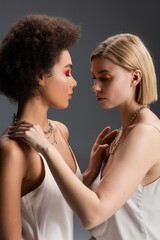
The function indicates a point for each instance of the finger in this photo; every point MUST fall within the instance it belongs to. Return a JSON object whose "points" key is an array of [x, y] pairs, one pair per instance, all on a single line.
{"points": [[107, 152], [17, 135], [100, 137], [102, 134], [20, 136], [101, 151], [12, 128], [110, 137], [21, 122], [17, 130], [102, 148], [15, 127], [18, 122]]}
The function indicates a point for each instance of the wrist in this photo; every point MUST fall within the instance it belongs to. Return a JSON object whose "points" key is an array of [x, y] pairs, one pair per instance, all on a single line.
{"points": [[92, 171], [88, 177], [45, 147]]}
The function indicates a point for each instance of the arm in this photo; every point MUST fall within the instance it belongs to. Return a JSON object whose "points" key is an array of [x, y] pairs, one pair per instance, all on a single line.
{"points": [[12, 171], [98, 152], [118, 184]]}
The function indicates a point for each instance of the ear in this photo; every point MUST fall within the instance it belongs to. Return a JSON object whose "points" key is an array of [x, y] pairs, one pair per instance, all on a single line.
{"points": [[41, 78], [136, 77]]}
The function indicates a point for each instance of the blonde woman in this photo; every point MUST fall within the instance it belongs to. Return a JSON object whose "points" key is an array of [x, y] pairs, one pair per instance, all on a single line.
{"points": [[123, 201]]}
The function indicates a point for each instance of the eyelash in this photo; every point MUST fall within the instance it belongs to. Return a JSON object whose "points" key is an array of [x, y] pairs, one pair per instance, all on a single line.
{"points": [[67, 74], [102, 79]]}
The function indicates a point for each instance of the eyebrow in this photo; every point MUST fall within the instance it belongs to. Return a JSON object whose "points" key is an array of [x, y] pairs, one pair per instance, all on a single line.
{"points": [[68, 65], [103, 71]]}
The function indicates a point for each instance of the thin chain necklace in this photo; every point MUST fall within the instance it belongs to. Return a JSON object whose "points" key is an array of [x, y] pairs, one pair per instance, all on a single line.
{"points": [[115, 144], [47, 133]]}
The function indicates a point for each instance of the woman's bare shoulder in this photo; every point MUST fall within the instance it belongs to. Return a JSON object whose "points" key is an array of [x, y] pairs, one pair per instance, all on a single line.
{"points": [[12, 153], [142, 142], [148, 128]]}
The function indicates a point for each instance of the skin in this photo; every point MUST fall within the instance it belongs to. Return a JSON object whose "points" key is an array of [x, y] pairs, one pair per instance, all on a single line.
{"points": [[21, 167], [135, 154]]}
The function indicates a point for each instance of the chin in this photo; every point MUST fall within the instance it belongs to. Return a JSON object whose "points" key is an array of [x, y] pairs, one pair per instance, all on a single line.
{"points": [[107, 106], [60, 106]]}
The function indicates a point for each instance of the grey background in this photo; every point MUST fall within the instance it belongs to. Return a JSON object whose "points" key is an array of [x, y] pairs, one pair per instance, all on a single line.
{"points": [[99, 19]]}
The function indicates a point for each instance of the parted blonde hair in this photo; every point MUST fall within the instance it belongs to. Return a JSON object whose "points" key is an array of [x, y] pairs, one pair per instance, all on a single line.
{"points": [[128, 51]]}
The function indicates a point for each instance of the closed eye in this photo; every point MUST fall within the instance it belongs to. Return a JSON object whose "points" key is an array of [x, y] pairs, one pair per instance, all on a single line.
{"points": [[68, 73], [104, 79]]}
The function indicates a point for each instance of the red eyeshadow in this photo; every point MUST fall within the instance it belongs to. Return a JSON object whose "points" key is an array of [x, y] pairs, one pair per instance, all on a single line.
{"points": [[67, 72]]}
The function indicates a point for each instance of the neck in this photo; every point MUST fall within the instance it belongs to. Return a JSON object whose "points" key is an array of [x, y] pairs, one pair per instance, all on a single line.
{"points": [[33, 111], [127, 111]]}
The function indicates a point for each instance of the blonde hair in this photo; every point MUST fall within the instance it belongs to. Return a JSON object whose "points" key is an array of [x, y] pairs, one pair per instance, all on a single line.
{"points": [[128, 51]]}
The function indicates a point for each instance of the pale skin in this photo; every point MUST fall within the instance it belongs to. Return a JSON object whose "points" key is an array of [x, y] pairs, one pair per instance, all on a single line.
{"points": [[21, 167], [136, 160]]}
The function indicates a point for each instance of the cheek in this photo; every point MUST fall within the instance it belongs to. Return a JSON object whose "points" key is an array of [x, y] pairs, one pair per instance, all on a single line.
{"points": [[57, 85], [118, 89], [110, 89]]}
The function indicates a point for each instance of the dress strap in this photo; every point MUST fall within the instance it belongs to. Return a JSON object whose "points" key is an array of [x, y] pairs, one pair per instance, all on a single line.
{"points": [[73, 156], [153, 126], [61, 131]]}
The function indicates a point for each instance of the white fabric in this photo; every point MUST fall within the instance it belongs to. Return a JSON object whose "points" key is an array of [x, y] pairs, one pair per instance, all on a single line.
{"points": [[138, 219], [45, 213]]}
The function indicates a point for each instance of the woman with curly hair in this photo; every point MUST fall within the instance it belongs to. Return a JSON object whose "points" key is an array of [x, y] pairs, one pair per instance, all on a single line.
{"points": [[35, 71], [123, 202]]}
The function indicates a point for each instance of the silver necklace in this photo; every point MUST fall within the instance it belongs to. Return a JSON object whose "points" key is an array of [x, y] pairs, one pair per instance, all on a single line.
{"points": [[50, 131], [115, 144], [47, 133]]}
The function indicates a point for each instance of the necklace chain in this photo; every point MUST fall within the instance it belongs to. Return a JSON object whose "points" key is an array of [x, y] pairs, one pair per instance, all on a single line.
{"points": [[49, 132], [115, 144]]}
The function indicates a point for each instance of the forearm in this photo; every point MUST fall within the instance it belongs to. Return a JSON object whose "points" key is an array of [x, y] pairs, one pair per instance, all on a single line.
{"points": [[81, 199]]}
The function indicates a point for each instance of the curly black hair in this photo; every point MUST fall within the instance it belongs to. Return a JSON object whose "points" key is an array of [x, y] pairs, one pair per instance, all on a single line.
{"points": [[33, 44]]}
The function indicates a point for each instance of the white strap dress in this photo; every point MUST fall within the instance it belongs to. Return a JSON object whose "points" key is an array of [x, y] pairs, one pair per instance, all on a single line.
{"points": [[44, 212], [137, 219]]}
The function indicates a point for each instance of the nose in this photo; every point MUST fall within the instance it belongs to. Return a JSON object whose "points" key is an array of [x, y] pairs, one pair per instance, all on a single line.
{"points": [[73, 83], [96, 87]]}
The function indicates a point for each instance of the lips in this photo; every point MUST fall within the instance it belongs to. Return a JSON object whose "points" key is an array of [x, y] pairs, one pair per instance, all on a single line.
{"points": [[100, 99], [70, 95]]}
